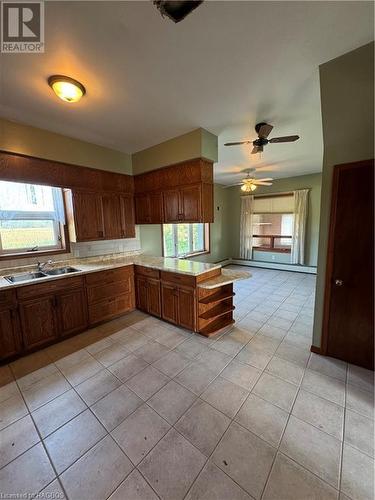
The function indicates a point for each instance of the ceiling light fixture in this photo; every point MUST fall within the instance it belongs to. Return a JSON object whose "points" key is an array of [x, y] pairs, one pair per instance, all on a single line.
{"points": [[66, 88], [176, 10], [248, 187]]}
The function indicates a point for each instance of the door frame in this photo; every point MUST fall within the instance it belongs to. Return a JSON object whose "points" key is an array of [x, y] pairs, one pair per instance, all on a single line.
{"points": [[337, 169]]}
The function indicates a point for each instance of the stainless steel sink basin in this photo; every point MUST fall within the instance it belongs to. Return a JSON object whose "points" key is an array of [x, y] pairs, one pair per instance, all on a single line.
{"points": [[25, 277], [61, 270]]}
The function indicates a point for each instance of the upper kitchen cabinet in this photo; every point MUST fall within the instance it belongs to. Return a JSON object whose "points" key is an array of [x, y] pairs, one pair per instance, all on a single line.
{"points": [[96, 216], [177, 193]]}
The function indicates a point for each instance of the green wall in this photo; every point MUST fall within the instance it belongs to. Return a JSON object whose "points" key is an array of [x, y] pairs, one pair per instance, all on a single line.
{"points": [[312, 182], [18, 138], [347, 97], [151, 238], [195, 144]]}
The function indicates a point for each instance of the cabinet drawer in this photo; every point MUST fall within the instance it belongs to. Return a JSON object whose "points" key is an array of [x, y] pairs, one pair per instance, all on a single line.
{"points": [[96, 293], [49, 287], [180, 279], [7, 298], [109, 276], [110, 307], [147, 271]]}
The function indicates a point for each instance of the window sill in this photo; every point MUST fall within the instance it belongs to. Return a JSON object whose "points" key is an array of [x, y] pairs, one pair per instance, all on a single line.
{"points": [[272, 250], [26, 255], [196, 254]]}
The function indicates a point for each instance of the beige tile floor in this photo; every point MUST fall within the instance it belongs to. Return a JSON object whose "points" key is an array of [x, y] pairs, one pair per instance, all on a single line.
{"points": [[137, 409]]}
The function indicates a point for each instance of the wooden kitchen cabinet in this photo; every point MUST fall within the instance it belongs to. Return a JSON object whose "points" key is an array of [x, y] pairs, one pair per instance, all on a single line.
{"points": [[127, 216], [10, 338], [149, 208], [148, 295], [38, 321], [183, 205], [96, 216], [71, 311], [169, 300], [186, 308], [86, 222]]}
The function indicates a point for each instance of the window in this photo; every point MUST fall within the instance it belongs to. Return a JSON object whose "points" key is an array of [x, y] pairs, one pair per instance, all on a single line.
{"points": [[273, 223], [31, 218], [181, 240]]}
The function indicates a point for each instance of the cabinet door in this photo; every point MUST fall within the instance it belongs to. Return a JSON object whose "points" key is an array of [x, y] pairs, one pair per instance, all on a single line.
{"points": [[142, 209], [156, 208], [191, 200], [141, 293], [10, 341], [88, 216], [111, 216], [153, 297], [38, 321], [71, 311], [169, 299], [171, 201], [127, 217], [186, 308]]}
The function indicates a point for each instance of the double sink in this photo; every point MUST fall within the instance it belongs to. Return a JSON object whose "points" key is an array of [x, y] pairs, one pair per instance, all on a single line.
{"points": [[19, 278]]}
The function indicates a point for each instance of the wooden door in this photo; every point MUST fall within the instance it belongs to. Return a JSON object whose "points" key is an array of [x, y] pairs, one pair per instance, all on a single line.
{"points": [[127, 217], [141, 293], [71, 311], [142, 209], [156, 208], [112, 216], [191, 200], [171, 202], [348, 331], [88, 216], [38, 321], [186, 308], [153, 297], [169, 299], [10, 340]]}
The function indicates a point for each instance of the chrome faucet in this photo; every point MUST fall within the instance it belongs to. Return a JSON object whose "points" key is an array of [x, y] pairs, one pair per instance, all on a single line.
{"points": [[42, 265]]}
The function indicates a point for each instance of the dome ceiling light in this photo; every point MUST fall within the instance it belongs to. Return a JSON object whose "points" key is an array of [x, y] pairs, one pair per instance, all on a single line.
{"points": [[66, 88]]}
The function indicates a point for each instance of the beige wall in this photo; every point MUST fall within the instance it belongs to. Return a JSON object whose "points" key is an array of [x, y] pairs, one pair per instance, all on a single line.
{"points": [[151, 236], [18, 138], [312, 182], [347, 96], [195, 144]]}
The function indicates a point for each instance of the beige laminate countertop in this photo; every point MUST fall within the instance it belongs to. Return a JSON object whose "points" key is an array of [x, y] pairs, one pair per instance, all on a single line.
{"points": [[227, 276], [94, 264]]}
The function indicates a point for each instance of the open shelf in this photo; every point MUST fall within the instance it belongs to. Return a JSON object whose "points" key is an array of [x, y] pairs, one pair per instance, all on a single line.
{"points": [[216, 325], [217, 311], [217, 297]]}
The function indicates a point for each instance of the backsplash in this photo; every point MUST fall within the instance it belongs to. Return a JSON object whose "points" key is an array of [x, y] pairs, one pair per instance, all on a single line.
{"points": [[89, 249]]}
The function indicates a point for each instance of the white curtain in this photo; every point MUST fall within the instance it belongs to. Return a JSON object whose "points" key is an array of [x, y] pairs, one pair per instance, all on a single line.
{"points": [[246, 227], [299, 228]]}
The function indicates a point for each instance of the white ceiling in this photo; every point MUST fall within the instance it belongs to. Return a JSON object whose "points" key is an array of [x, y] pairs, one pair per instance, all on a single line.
{"points": [[224, 68]]}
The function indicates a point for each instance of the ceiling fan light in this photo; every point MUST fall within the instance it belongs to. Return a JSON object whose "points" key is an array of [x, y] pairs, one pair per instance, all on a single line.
{"points": [[247, 187], [252, 187]]}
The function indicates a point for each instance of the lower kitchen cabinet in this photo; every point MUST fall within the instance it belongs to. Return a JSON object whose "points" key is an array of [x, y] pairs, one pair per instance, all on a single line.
{"points": [[10, 338], [71, 311], [38, 321], [148, 295], [178, 305]]}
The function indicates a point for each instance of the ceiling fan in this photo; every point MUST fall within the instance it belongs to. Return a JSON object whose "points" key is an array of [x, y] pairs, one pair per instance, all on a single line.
{"points": [[249, 184], [263, 130]]}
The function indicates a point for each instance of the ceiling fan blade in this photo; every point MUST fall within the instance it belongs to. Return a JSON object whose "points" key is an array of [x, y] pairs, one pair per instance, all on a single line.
{"points": [[236, 143], [260, 183], [265, 130], [287, 138], [256, 149], [265, 179], [231, 185]]}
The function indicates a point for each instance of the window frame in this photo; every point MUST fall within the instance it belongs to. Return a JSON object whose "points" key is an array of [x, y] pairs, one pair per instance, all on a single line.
{"points": [[60, 231], [206, 240]]}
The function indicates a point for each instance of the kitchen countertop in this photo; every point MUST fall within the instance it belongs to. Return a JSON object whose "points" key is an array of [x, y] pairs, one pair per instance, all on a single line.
{"points": [[227, 276], [94, 264]]}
